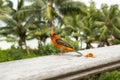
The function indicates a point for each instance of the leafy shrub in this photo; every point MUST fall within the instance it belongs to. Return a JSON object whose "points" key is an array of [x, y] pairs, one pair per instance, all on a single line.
{"points": [[3, 54], [14, 54], [74, 44], [46, 50], [114, 75]]}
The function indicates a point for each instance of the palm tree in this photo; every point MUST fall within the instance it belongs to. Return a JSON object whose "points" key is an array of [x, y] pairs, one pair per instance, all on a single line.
{"points": [[16, 26], [88, 28], [108, 23], [50, 11], [38, 31], [82, 25], [4, 8], [57, 9], [37, 27]]}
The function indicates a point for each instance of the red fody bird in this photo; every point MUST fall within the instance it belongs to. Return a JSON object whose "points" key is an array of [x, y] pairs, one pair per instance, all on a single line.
{"points": [[62, 45]]}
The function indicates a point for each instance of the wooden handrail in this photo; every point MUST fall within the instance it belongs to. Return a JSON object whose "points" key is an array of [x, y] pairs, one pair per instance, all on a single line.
{"points": [[68, 66]]}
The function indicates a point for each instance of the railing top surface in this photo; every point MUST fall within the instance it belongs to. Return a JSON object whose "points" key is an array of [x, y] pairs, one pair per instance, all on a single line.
{"points": [[54, 65]]}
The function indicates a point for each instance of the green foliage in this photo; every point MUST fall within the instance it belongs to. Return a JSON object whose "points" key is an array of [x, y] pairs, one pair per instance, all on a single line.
{"points": [[48, 49], [14, 54], [73, 7], [17, 53], [113, 75], [75, 44], [116, 41]]}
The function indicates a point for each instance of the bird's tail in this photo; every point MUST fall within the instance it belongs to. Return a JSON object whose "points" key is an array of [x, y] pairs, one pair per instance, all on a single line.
{"points": [[79, 53]]}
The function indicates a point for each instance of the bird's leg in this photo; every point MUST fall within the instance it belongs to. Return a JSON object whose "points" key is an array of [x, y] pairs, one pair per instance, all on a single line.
{"points": [[61, 52], [79, 53]]}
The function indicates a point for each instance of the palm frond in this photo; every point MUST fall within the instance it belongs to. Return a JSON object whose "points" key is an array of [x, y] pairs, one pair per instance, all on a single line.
{"points": [[4, 11], [4, 31], [60, 2], [92, 7], [25, 11], [105, 10], [99, 23], [8, 20], [11, 39], [116, 31], [22, 14], [103, 33], [20, 4], [40, 32], [113, 11], [72, 8], [5, 8]]}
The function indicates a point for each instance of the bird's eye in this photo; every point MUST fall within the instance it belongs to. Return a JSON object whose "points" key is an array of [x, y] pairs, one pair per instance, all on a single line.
{"points": [[54, 34]]}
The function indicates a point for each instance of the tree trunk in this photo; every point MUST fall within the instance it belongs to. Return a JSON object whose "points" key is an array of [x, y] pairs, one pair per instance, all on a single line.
{"points": [[39, 44], [26, 48], [81, 43], [89, 45], [101, 44], [20, 44]]}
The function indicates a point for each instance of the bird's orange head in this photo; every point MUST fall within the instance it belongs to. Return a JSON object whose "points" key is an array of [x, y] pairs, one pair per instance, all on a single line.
{"points": [[52, 34]]}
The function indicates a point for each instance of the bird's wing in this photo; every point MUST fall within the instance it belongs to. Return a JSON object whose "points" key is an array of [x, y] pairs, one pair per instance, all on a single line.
{"points": [[61, 42]]}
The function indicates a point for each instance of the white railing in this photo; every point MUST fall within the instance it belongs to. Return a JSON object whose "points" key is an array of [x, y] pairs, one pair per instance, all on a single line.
{"points": [[66, 67]]}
